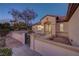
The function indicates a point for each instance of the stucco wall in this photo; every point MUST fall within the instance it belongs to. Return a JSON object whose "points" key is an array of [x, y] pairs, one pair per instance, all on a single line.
{"points": [[34, 28], [74, 28], [50, 48], [19, 36], [65, 28]]}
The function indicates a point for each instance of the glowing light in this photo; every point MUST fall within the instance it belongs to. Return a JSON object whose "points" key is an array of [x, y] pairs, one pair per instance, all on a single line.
{"points": [[40, 27], [61, 27]]}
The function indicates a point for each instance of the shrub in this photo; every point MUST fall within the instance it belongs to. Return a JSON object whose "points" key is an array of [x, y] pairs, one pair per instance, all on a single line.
{"points": [[5, 52], [4, 29]]}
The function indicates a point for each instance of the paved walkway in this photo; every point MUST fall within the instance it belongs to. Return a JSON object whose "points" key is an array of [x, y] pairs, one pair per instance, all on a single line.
{"points": [[24, 51]]}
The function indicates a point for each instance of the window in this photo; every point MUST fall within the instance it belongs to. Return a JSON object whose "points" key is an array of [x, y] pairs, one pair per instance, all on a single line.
{"points": [[47, 28], [61, 27], [40, 27]]}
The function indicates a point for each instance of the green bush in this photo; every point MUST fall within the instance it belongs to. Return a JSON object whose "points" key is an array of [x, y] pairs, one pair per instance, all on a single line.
{"points": [[4, 29], [5, 52]]}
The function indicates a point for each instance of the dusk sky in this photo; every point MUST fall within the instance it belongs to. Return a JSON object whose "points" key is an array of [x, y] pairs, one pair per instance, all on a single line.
{"points": [[41, 9]]}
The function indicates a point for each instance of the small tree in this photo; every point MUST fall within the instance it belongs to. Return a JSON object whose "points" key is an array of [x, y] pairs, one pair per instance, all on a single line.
{"points": [[22, 25], [15, 13], [15, 26], [27, 15]]}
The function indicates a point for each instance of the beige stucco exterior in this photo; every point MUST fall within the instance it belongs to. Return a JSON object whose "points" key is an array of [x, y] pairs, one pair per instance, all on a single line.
{"points": [[65, 29], [34, 28], [51, 48], [50, 27], [52, 21], [55, 26], [74, 28], [71, 28]]}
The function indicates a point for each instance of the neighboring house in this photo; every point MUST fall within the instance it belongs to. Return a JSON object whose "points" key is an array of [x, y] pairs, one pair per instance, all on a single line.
{"points": [[61, 27], [36, 26], [69, 26], [46, 25], [66, 31], [52, 25], [66, 26]]}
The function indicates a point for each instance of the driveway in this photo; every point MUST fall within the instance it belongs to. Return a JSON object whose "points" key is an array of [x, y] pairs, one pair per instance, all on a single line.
{"points": [[24, 51], [12, 43], [19, 49]]}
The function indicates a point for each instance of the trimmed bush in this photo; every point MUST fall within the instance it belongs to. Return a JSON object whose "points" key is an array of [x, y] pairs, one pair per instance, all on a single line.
{"points": [[5, 52]]}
